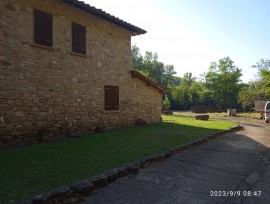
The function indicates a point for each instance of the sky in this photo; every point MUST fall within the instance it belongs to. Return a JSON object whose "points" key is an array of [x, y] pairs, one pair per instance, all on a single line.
{"points": [[190, 34]]}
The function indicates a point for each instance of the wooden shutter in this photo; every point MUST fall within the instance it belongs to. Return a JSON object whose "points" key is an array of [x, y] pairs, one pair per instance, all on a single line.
{"points": [[78, 38], [43, 28], [111, 97]]}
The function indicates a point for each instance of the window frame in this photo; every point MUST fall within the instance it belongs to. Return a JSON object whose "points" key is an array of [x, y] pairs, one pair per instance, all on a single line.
{"points": [[115, 106], [78, 33], [42, 21]]}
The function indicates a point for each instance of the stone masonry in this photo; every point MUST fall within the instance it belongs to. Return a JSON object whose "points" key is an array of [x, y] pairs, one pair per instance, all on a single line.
{"points": [[51, 92]]}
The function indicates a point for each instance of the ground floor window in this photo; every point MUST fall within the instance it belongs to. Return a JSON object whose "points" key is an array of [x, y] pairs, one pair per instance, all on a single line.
{"points": [[111, 97]]}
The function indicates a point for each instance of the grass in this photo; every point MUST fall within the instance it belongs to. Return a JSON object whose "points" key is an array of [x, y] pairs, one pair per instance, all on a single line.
{"points": [[30, 170], [248, 115], [239, 114]]}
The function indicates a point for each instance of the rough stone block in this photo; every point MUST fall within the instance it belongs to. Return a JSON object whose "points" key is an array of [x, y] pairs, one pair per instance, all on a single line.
{"points": [[202, 117], [10, 101], [122, 171], [19, 113], [140, 122], [99, 181], [42, 114], [35, 109], [112, 175], [82, 187], [65, 103], [41, 199], [40, 123], [27, 124], [10, 113], [60, 192], [132, 169]]}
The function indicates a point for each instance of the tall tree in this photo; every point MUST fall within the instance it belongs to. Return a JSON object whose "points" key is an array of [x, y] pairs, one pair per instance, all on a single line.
{"points": [[183, 93], [263, 67], [266, 81], [137, 58], [247, 95], [168, 75], [222, 80], [150, 66]]}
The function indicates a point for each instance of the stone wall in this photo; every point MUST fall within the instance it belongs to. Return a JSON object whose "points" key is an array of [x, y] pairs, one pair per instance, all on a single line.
{"points": [[202, 109], [51, 92]]}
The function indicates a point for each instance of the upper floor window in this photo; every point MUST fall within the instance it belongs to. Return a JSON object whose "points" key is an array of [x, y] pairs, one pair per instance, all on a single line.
{"points": [[78, 38], [43, 28]]}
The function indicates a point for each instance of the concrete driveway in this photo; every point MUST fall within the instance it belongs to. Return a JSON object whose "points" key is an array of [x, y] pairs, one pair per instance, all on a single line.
{"points": [[234, 168]]}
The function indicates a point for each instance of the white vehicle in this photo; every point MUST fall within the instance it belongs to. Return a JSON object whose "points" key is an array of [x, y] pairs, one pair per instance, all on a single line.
{"points": [[267, 112]]}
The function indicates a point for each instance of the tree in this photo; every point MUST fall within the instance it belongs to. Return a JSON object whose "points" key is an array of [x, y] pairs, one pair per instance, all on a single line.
{"points": [[247, 96], [185, 94], [166, 103], [153, 67], [150, 66], [199, 94], [262, 65], [136, 58], [266, 81], [180, 94], [222, 80], [263, 80], [168, 75]]}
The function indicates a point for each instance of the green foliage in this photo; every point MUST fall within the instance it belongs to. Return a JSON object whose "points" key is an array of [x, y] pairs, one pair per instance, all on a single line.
{"points": [[31, 170], [166, 102], [151, 67], [223, 80], [136, 58], [263, 80], [218, 87], [247, 96], [190, 92], [181, 93], [266, 80], [263, 64]]}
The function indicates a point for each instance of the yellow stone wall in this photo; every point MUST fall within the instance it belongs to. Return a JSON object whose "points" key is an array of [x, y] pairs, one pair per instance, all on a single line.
{"points": [[47, 93]]}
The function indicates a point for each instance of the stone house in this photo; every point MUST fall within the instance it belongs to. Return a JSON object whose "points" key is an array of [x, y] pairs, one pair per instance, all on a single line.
{"points": [[65, 70]]}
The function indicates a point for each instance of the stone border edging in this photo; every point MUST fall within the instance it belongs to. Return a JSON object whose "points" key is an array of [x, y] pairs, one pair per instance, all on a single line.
{"points": [[78, 189]]}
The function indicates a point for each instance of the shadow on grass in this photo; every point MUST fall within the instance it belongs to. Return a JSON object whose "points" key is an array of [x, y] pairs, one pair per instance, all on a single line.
{"points": [[30, 170]]}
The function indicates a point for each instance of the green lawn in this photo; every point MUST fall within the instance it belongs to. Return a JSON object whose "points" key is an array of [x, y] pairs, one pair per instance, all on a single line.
{"points": [[28, 171]]}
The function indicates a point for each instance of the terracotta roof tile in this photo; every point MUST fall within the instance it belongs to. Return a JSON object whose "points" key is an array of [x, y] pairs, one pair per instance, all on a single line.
{"points": [[106, 16], [147, 81]]}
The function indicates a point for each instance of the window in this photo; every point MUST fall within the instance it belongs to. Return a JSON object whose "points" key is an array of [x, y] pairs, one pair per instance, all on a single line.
{"points": [[78, 38], [267, 106], [43, 28], [111, 97]]}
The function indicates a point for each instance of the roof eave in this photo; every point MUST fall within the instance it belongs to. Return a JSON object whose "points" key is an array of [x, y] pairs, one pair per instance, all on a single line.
{"points": [[148, 81], [106, 16]]}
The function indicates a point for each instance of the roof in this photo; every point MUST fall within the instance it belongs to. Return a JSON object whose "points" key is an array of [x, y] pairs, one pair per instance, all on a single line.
{"points": [[106, 16], [149, 82]]}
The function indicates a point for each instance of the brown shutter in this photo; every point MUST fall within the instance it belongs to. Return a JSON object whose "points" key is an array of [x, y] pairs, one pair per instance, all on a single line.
{"points": [[78, 38], [43, 28], [115, 98], [111, 97], [107, 97], [82, 42]]}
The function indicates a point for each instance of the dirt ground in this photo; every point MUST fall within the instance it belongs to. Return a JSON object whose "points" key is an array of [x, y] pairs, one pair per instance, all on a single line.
{"points": [[252, 118]]}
